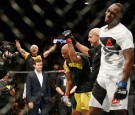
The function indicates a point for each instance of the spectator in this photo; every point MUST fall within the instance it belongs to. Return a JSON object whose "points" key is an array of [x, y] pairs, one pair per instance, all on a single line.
{"points": [[38, 90], [30, 57], [10, 61]]}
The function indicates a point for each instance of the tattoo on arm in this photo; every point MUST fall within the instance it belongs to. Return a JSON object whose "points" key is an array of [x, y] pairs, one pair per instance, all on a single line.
{"points": [[23, 52]]}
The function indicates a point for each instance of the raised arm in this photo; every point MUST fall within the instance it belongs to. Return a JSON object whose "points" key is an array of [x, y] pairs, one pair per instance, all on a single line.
{"points": [[19, 48], [70, 41], [82, 49], [73, 54], [47, 53], [93, 38]]}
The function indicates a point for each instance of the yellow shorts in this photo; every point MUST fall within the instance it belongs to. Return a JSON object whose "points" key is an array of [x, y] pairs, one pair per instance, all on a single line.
{"points": [[81, 101]]}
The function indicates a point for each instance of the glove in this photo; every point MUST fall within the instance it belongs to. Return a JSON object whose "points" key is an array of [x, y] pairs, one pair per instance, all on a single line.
{"points": [[69, 37], [19, 37], [121, 91], [66, 101], [58, 43]]}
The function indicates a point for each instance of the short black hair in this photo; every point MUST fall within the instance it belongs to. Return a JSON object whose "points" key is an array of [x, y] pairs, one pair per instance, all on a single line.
{"points": [[121, 7]]}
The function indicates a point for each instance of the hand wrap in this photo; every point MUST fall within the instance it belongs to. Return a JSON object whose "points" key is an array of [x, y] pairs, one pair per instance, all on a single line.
{"points": [[69, 37], [121, 91]]}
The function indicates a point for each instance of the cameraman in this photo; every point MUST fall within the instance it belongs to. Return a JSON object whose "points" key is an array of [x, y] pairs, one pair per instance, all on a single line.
{"points": [[8, 62]]}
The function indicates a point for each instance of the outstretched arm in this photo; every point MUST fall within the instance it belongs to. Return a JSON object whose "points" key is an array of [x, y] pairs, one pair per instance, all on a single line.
{"points": [[47, 53], [73, 54], [19, 48], [82, 49], [71, 39]]}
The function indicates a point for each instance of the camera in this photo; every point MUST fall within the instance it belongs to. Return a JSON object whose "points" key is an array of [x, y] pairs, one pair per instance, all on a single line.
{"points": [[10, 55]]}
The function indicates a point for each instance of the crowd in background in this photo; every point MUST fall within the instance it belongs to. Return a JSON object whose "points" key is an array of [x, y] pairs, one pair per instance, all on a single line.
{"points": [[24, 88], [13, 102], [14, 71]]}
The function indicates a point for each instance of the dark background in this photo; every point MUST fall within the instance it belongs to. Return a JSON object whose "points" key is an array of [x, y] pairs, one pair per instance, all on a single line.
{"points": [[41, 20]]}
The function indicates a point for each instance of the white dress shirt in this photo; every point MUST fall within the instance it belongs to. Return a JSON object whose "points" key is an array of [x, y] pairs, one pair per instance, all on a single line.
{"points": [[40, 77]]}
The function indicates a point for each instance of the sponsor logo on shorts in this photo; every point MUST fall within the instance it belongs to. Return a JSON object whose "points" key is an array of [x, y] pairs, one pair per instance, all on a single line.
{"points": [[115, 102], [82, 104]]}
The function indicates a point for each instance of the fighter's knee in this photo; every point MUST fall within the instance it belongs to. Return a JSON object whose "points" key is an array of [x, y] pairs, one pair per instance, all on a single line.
{"points": [[95, 111]]}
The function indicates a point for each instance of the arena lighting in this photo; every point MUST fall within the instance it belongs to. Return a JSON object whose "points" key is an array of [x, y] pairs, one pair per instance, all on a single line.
{"points": [[80, 15], [10, 24], [67, 8], [85, 10], [16, 31], [28, 21], [97, 20], [15, 6], [59, 11], [70, 1], [89, 2], [131, 23], [40, 35], [38, 9], [27, 45], [49, 23], [70, 11], [70, 24], [50, 1], [3, 111], [7, 20]]}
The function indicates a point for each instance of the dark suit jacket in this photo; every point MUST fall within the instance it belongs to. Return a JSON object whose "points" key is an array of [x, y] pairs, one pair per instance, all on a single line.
{"points": [[34, 91]]}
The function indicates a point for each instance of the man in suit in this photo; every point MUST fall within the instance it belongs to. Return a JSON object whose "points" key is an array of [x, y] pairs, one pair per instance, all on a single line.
{"points": [[38, 90]]}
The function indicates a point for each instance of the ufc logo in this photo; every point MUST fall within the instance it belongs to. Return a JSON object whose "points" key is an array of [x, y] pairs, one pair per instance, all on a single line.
{"points": [[122, 92]]}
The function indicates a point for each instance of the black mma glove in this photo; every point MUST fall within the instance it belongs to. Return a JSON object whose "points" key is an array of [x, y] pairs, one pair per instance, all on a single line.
{"points": [[19, 37], [58, 43], [121, 91], [69, 37]]}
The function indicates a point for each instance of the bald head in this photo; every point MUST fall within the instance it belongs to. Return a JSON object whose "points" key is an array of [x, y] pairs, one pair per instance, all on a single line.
{"points": [[64, 52], [95, 31], [93, 37], [64, 48]]}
